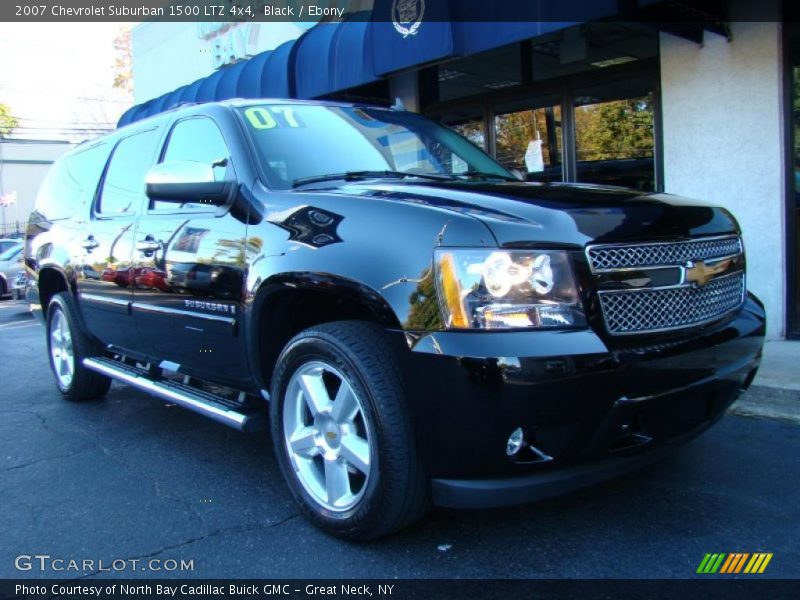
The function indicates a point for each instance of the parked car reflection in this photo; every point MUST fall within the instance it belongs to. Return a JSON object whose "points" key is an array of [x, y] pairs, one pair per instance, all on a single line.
{"points": [[218, 281]]}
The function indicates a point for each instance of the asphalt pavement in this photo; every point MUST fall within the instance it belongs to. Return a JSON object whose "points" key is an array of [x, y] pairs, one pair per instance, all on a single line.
{"points": [[130, 477]]}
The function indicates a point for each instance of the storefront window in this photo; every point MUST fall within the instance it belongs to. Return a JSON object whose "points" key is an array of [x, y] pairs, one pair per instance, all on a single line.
{"points": [[614, 142], [530, 141], [578, 104]]}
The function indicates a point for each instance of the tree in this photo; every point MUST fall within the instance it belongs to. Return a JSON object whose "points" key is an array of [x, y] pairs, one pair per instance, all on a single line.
{"points": [[8, 122], [424, 312], [615, 130], [123, 62]]}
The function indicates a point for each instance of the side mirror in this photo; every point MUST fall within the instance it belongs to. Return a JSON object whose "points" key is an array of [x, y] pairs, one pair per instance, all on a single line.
{"points": [[186, 181]]}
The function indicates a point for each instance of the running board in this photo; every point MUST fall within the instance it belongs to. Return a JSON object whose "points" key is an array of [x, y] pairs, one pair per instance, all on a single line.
{"points": [[199, 401]]}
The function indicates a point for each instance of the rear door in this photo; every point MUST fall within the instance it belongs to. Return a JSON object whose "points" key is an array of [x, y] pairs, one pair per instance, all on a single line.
{"points": [[105, 276], [189, 265]]}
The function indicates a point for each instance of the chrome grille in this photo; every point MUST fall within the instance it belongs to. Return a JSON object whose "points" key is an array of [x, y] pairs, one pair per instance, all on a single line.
{"points": [[659, 253], [652, 302], [660, 309]]}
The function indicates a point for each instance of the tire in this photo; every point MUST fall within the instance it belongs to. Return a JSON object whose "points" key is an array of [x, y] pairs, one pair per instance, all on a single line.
{"points": [[390, 489], [67, 346]]}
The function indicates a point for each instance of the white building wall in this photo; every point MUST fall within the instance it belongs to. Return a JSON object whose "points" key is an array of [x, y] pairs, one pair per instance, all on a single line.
{"points": [[23, 166], [723, 142]]}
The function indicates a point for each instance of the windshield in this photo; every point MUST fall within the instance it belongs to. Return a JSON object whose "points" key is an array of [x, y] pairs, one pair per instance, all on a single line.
{"points": [[10, 253], [297, 142]]}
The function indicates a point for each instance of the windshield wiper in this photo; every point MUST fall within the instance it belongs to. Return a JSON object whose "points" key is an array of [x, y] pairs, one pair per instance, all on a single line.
{"points": [[482, 175], [355, 175]]}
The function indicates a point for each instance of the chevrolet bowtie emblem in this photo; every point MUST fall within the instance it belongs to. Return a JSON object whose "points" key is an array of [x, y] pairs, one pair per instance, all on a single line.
{"points": [[700, 273]]}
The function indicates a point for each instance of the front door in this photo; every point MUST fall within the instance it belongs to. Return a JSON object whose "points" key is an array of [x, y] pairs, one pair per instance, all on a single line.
{"points": [[189, 266], [105, 277]]}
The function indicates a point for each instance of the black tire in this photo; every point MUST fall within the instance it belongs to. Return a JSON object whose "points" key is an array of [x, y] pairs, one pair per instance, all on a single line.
{"points": [[85, 384], [397, 490]]}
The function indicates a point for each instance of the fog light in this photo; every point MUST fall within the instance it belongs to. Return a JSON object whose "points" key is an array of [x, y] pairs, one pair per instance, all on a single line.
{"points": [[515, 441]]}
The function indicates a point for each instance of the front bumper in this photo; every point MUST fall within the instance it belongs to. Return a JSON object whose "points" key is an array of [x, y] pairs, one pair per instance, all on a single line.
{"points": [[591, 410]]}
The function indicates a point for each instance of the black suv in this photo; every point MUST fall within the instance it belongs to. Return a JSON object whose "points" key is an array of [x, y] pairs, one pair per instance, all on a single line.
{"points": [[411, 321]]}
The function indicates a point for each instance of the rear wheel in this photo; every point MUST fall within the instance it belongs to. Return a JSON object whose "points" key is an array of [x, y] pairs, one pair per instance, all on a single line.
{"points": [[342, 431], [67, 346]]}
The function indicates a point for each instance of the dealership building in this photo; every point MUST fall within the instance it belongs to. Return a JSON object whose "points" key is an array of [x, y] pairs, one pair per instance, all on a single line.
{"points": [[639, 97]]}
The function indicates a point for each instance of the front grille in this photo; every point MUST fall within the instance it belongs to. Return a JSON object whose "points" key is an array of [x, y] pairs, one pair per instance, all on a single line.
{"points": [[662, 300], [660, 309], [659, 253]]}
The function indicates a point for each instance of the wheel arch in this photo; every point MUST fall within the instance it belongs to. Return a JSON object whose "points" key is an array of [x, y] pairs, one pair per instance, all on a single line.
{"points": [[288, 303], [51, 281]]}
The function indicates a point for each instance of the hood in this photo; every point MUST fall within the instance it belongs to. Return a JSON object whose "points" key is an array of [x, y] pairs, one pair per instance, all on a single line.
{"points": [[520, 214]]}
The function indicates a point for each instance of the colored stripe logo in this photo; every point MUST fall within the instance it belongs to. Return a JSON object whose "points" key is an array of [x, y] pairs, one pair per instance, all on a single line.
{"points": [[736, 562]]}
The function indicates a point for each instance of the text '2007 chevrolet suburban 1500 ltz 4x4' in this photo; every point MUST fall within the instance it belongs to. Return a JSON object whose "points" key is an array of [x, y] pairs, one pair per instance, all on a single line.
{"points": [[411, 322]]}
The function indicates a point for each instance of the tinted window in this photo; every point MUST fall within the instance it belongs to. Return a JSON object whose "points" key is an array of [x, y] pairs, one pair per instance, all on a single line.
{"points": [[123, 187], [72, 180], [197, 140]]}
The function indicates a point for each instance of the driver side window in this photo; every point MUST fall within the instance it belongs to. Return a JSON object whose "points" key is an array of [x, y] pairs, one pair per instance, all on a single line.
{"points": [[197, 139]]}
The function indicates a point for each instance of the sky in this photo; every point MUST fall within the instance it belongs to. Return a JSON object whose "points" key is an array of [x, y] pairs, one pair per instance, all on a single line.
{"points": [[57, 78]]}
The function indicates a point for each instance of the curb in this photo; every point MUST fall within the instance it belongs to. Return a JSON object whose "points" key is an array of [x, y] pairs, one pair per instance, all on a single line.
{"points": [[769, 403]]}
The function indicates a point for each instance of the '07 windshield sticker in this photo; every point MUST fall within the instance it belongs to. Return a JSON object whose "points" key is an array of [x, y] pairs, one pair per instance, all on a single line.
{"points": [[261, 117]]}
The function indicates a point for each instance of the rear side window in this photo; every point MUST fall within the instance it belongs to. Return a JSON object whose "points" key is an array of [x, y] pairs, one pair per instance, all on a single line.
{"points": [[123, 186], [197, 140], [71, 181]]}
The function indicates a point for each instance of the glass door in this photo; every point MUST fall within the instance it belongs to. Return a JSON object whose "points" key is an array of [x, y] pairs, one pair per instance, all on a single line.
{"points": [[528, 138]]}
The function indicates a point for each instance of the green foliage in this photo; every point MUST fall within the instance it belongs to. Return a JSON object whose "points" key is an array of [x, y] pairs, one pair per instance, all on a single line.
{"points": [[516, 130], [615, 130], [7, 121]]}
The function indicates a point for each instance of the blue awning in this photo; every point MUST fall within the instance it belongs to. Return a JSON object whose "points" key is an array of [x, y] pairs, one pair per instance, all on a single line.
{"points": [[143, 110], [190, 91], [173, 99], [207, 92], [129, 115], [332, 57], [405, 45], [157, 105], [229, 81], [250, 79], [276, 75]]}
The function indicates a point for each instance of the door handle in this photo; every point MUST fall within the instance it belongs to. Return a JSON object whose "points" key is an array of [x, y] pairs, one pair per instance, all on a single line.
{"points": [[148, 245], [90, 243]]}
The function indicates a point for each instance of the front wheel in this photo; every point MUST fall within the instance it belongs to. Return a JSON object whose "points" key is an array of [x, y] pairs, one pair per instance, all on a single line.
{"points": [[342, 431]]}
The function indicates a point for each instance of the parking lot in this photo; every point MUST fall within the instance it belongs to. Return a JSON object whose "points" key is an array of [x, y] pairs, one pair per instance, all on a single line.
{"points": [[132, 478]]}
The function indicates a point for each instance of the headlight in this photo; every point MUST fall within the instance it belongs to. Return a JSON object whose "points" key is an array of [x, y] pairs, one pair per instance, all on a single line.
{"points": [[503, 289]]}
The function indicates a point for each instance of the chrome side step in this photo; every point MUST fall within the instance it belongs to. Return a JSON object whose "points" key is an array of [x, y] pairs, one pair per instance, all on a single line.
{"points": [[209, 405]]}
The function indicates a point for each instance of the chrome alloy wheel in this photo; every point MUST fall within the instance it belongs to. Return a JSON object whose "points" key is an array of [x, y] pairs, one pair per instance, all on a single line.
{"points": [[61, 351], [327, 436]]}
